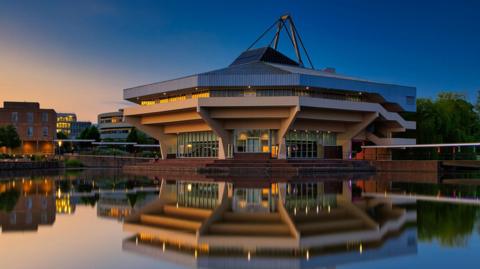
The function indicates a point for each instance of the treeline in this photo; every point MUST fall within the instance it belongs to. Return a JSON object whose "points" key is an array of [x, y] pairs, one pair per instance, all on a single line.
{"points": [[449, 118]]}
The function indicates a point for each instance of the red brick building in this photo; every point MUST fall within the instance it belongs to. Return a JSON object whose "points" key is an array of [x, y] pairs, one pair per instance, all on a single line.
{"points": [[35, 126]]}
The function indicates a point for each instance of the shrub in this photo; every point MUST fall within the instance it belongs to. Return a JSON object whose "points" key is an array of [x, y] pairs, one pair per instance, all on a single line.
{"points": [[109, 151], [73, 163]]}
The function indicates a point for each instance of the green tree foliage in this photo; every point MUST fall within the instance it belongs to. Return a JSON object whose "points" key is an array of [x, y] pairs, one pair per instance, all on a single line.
{"points": [[61, 135], [90, 133], [451, 224], [139, 137], [8, 200], [448, 119], [9, 137]]}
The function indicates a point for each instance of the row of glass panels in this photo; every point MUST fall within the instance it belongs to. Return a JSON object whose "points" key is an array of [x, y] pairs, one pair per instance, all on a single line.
{"points": [[300, 144], [308, 144], [256, 92], [197, 144]]}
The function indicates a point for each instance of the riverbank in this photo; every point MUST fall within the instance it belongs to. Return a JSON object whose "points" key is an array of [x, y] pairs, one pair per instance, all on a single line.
{"points": [[29, 165]]}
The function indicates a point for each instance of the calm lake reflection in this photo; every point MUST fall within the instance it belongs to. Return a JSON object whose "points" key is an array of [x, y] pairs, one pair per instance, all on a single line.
{"points": [[107, 219]]}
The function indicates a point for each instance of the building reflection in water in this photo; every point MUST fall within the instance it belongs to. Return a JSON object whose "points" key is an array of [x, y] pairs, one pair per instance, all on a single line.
{"points": [[120, 205], [277, 225], [26, 204]]}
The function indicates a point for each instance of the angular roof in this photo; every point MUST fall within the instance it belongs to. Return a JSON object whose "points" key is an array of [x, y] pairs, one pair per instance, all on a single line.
{"points": [[266, 67], [266, 54]]}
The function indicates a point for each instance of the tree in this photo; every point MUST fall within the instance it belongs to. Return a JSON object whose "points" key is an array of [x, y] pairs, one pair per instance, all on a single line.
{"points": [[61, 135], [133, 135], [139, 137], [9, 137], [90, 133], [448, 119]]}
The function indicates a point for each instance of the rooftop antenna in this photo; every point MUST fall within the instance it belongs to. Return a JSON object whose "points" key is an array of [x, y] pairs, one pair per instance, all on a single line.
{"points": [[292, 33]]}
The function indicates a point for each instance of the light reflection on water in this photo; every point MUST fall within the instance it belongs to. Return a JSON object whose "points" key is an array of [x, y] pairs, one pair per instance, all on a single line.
{"points": [[105, 219]]}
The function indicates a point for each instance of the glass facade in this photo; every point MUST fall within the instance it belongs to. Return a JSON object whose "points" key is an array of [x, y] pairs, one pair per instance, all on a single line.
{"points": [[283, 92], [255, 141], [197, 195], [258, 200], [308, 144], [311, 196], [197, 144], [226, 93], [349, 96]]}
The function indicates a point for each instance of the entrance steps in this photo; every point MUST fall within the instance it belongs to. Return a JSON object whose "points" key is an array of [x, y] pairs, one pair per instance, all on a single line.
{"points": [[337, 220], [171, 217], [250, 224]]}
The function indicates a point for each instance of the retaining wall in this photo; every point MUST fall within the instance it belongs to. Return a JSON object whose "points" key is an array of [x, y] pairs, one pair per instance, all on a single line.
{"points": [[106, 161]]}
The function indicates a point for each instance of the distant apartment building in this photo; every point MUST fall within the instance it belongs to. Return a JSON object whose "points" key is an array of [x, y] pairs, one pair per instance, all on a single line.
{"points": [[35, 126], [67, 123], [78, 127], [112, 127]]}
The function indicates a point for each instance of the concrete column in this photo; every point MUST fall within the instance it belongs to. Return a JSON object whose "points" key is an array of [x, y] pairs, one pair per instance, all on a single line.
{"points": [[155, 131], [347, 191], [282, 149], [284, 127], [222, 148], [217, 128], [346, 149]]}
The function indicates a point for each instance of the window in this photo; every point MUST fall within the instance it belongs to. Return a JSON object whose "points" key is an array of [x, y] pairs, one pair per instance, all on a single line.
{"points": [[30, 131], [45, 131], [30, 117], [45, 117], [410, 100], [197, 144], [308, 144], [226, 93], [14, 116]]}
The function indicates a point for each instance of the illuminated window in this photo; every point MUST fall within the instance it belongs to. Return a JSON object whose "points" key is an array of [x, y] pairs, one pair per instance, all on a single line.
{"points": [[308, 144], [197, 144], [201, 95]]}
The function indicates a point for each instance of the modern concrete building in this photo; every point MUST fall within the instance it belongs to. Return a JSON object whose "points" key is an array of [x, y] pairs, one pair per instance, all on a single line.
{"points": [[266, 103], [67, 123], [112, 126], [35, 126]]}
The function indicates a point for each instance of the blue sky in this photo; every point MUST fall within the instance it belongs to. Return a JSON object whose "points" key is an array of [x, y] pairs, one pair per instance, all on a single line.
{"points": [[86, 52]]}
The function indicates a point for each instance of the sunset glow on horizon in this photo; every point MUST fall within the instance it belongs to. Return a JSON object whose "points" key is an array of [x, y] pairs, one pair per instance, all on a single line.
{"points": [[78, 57]]}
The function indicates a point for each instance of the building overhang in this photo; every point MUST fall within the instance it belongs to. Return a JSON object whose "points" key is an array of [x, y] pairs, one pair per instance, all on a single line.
{"points": [[271, 75]]}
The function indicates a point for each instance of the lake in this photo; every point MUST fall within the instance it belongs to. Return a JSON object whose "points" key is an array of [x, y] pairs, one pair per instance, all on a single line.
{"points": [[107, 219]]}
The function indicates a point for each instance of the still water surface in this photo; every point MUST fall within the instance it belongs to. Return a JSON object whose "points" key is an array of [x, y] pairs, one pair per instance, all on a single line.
{"points": [[106, 219]]}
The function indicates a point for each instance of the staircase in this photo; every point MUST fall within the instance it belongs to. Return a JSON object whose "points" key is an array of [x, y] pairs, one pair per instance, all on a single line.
{"points": [[171, 217], [250, 224], [338, 220]]}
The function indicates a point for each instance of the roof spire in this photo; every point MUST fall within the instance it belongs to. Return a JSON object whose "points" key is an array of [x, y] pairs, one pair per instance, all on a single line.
{"points": [[291, 32]]}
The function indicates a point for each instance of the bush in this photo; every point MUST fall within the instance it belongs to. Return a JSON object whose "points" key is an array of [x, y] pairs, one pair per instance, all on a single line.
{"points": [[148, 154], [73, 163], [109, 151], [37, 158]]}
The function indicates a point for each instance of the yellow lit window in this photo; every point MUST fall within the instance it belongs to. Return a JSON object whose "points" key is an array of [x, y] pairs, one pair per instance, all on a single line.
{"points": [[201, 95]]}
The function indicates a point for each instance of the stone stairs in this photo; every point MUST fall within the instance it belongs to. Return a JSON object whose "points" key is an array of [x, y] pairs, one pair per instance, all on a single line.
{"points": [[250, 224], [337, 220], [177, 218]]}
